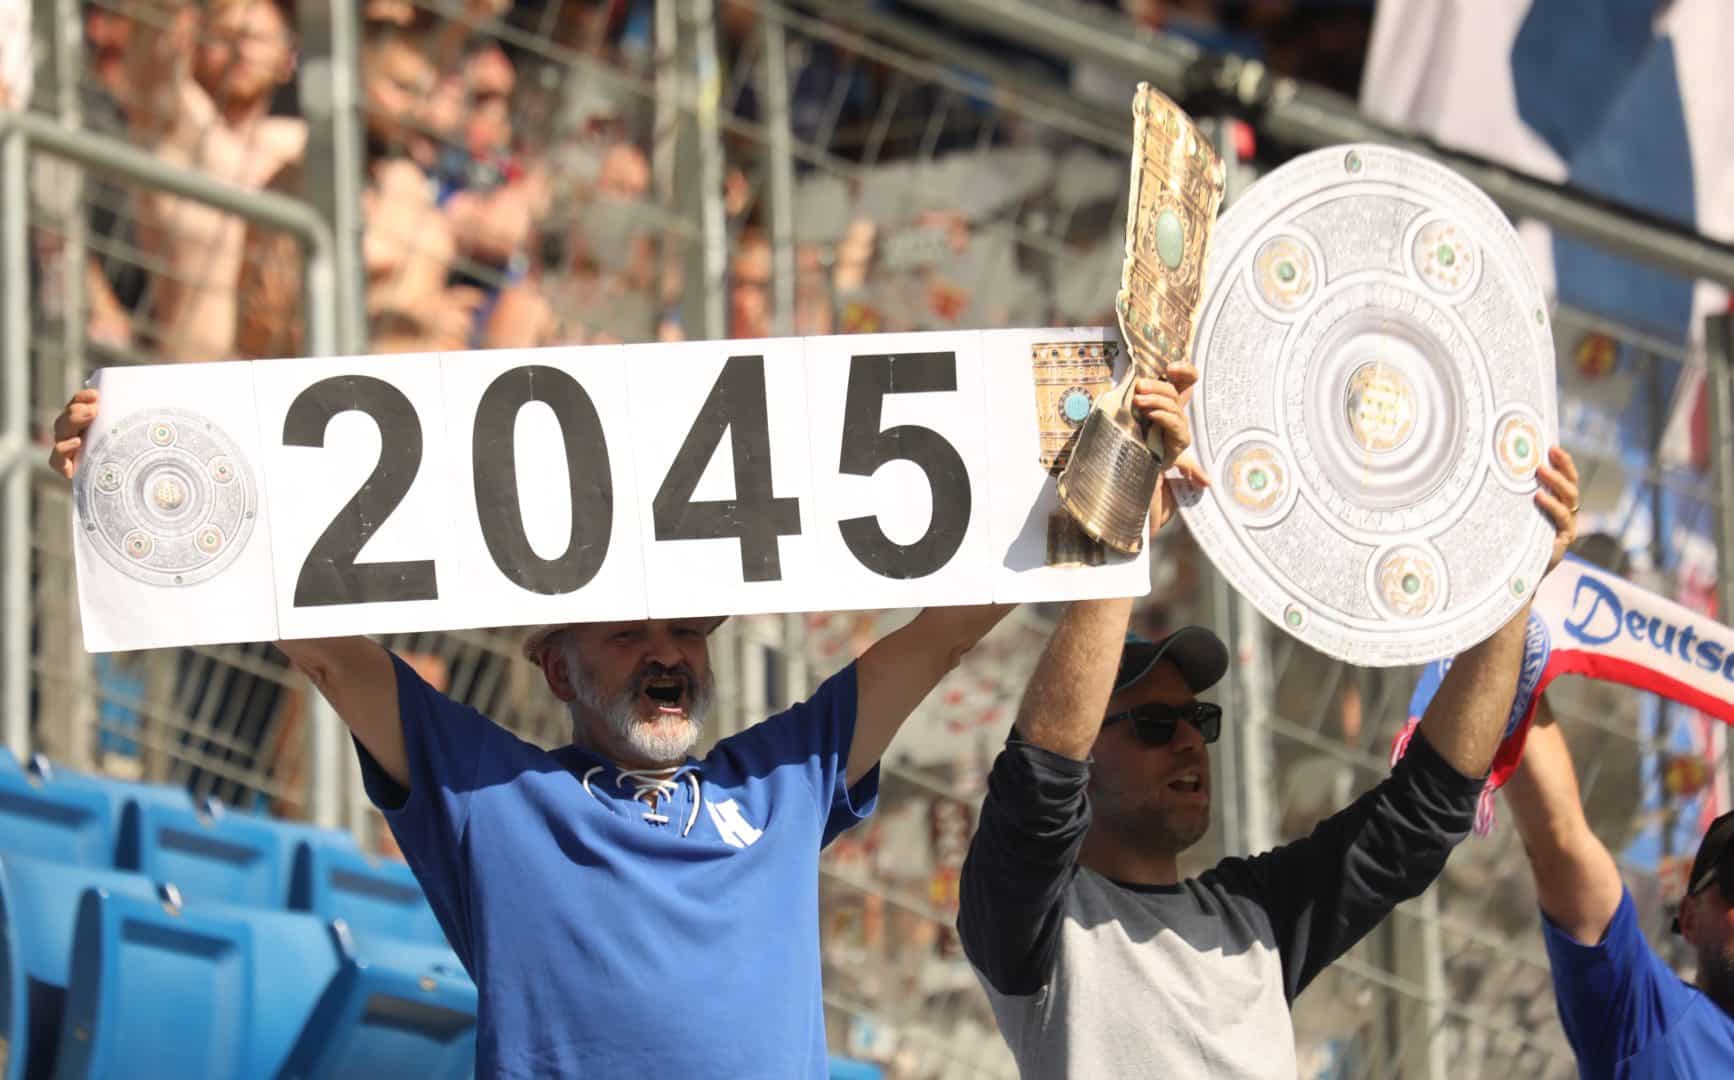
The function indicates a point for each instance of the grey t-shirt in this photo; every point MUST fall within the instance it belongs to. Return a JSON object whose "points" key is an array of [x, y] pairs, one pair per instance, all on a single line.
{"points": [[1090, 978]]}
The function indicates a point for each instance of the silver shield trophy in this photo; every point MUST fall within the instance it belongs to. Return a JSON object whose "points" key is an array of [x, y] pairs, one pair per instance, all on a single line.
{"points": [[1376, 391], [1177, 179]]}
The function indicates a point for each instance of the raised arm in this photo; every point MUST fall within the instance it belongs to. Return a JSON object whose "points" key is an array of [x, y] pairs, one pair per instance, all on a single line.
{"points": [[1326, 891], [902, 668], [1035, 816], [355, 674], [899, 671], [1576, 881], [163, 103], [1467, 717]]}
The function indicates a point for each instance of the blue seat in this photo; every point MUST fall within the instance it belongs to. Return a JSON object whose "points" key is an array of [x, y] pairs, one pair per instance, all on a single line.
{"points": [[201, 990], [296, 833], [396, 1008], [38, 912], [8, 761], [119, 793], [209, 854], [374, 897], [48, 821]]}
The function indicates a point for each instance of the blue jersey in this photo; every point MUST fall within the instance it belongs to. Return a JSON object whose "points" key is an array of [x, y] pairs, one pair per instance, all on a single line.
{"points": [[1628, 1016], [604, 935]]}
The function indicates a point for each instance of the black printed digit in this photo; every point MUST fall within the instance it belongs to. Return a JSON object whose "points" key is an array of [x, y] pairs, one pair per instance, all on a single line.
{"points": [[755, 516], [330, 575], [866, 448], [588, 476]]}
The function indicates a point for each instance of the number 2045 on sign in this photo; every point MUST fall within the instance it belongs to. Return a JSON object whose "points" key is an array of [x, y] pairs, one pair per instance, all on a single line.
{"points": [[312, 497]]}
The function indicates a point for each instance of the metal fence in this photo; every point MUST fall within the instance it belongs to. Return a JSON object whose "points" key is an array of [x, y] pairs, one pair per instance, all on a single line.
{"points": [[757, 167]]}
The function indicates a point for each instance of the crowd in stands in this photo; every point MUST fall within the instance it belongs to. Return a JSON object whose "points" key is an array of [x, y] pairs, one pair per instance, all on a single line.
{"points": [[508, 190]]}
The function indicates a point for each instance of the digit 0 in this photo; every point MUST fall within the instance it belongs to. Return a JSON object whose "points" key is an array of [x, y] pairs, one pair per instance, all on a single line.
{"points": [[588, 476]]}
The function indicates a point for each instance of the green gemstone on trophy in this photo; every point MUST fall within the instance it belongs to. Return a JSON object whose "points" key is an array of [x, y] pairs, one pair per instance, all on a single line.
{"points": [[1077, 406], [1517, 586], [1294, 617], [1447, 256], [1411, 584], [1285, 271], [1257, 480], [1522, 447], [1170, 239]]}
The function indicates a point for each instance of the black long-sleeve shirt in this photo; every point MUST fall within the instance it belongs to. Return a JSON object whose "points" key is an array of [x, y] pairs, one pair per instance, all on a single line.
{"points": [[1091, 977]]}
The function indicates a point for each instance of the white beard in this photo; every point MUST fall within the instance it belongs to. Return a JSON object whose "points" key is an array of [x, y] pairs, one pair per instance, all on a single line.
{"points": [[664, 742]]}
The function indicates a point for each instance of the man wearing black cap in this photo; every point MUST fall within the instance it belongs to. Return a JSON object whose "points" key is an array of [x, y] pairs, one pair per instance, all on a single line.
{"points": [[1625, 1012], [1098, 959]]}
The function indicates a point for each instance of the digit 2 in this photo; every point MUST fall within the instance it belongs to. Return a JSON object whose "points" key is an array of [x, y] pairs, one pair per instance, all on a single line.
{"points": [[754, 516], [330, 574], [865, 448]]}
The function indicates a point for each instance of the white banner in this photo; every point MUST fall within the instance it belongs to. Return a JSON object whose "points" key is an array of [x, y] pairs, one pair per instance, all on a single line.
{"points": [[285, 499]]}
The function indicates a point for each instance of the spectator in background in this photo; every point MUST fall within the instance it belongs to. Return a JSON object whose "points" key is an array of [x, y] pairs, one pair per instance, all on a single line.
{"points": [[408, 247], [1626, 1013], [199, 85], [114, 282], [17, 61], [492, 196], [750, 285], [271, 322]]}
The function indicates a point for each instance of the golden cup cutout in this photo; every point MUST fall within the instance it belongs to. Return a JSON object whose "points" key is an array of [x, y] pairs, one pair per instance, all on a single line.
{"points": [[1177, 181]]}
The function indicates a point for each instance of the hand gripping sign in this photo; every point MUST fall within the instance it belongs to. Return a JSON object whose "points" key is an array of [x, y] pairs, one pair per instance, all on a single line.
{"points": [[300, 498]]}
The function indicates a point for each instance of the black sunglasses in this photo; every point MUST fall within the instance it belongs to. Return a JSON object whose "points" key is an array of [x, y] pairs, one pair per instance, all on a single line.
{"points": [[1156, 723]]}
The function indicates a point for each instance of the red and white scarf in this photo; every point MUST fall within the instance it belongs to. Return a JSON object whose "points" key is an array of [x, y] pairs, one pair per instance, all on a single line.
{"points": [[1587, 622]]}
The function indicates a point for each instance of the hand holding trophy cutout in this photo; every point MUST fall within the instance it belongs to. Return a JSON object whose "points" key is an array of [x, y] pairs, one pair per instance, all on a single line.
{"points": [[1177, 187]]}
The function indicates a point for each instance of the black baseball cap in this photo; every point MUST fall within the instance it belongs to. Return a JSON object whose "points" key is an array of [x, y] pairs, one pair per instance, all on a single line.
{"points": [[1713, 862], [1199, 654]]}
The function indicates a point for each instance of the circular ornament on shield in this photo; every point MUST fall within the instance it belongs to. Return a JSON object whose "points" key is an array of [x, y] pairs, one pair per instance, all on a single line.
{"points": [[167, 498], [1257, 478], [1445, 258], [1406, 581], [1285, 273], [1519, 448], [1375, 387]]}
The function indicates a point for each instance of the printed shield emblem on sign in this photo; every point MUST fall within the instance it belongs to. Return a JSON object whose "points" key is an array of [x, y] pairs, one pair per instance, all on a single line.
{"points": [[167, 498]]}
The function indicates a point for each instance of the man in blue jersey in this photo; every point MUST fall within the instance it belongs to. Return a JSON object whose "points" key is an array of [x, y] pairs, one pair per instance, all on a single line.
{"points": [[621, 905], [1625, 1012]]}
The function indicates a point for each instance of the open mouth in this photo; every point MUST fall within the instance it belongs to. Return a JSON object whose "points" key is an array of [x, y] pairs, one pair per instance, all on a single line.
{"points": [[666, 693], [1187, 784]]}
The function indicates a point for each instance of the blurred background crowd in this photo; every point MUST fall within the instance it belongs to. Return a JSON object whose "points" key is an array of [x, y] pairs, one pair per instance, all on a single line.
{"points": [[573, 172]]}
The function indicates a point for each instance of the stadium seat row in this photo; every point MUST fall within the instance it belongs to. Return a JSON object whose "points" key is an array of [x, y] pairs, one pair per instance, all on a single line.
{"points": [[143, 934], [207, 852]]}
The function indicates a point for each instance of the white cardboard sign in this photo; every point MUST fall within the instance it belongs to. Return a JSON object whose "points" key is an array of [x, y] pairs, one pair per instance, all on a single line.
{"points": [[284, 499]]}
